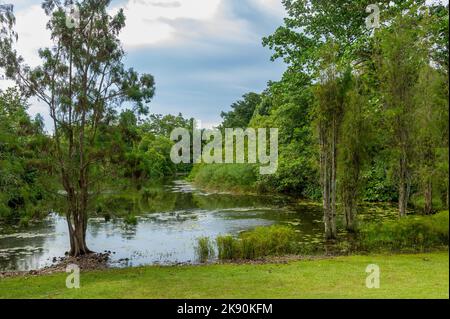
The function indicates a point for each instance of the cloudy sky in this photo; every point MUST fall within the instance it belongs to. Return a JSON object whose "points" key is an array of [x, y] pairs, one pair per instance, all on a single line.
{"points": [[204, 54]]}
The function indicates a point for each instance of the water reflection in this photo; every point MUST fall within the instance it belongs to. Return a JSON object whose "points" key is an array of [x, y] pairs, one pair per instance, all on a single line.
{"points": [[170, 218]]}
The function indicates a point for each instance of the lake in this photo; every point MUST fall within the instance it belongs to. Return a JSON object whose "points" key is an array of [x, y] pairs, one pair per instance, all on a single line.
{"points": [[169, 221]]}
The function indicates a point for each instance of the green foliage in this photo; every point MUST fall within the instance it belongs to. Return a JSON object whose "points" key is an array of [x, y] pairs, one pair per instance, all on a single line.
{"points": [[354, 140], [431, 120], [268, 241], [204, 249], [375, 100], [287, 106], [25, 168], [260, 242], [242, 111], [83, 81], [140, 150], [296, 174], [410, 233], [232, 177], [130, 219], [228, 247], [440, 34], [158, 124], [378, 185]]}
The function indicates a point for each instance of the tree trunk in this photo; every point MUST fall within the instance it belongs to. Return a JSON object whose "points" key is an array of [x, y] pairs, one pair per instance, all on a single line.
{"points": [[330, 225], [77, 224], [444, 196], [403, 188], [326, 203], [328, 200], [428, 197], [349, 212], [446, 203], [333, 165], [326, 183], [402, 199]]}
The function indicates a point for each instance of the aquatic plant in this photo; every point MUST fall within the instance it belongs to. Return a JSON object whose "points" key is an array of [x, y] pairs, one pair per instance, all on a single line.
{"points": [[130, 220], [274, 240], [410, 233], [204, 249]]}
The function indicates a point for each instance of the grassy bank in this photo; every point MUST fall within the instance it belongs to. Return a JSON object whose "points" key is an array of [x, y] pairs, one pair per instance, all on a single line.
{"points": [[233, 178], [410, 233], [402, 276]]}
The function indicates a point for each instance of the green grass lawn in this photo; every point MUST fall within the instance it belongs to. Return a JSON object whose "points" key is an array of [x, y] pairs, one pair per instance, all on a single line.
{"points": [[402, 276]]}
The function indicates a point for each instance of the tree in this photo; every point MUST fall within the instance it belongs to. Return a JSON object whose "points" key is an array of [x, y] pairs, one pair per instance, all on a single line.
{"points": [[354, 137], [288, 105], [430, 109], [163, 125], [311, 23], [242, 111], [439, 36], [330, 94], [23, 160], [400, 58], [439, 52], [81, 79]]}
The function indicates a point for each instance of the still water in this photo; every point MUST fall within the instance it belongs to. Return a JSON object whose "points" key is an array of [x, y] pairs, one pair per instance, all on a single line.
{"points": [[166, 230]]}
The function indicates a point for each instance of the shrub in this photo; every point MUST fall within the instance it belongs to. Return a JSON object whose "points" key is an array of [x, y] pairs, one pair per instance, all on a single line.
{"points": [[204, 249], [130, 219], [240, 177], [409, 233], [228, 247], [260, 242], [268, 241]]}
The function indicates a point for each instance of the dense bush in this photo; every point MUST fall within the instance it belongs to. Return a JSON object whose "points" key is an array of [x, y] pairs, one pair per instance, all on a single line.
{"points": [[409, 233], [262, 241], [25, 170], [239, 177], [268, 241], [378, 185]]}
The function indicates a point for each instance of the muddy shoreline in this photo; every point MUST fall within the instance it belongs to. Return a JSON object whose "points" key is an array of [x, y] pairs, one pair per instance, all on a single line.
{"points": [[94, 261]]}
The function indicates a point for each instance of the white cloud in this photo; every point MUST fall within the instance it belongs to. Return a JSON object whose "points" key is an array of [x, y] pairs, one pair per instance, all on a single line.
{"points": [[212, 27], [4, 84], [150, 22], [274, 7], [33, 35], [172, 9]]}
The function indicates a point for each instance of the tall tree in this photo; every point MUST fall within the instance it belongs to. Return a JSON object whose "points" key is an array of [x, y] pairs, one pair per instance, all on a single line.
{"points": [[439, 16], [354, 137], [399, 61], [330, 92], [81, 79], [307, 32], [430, 109], [311, 23]]}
